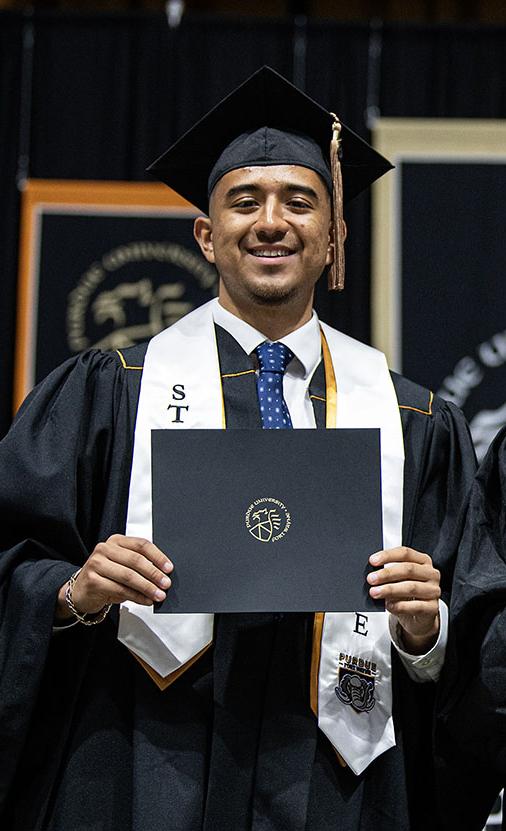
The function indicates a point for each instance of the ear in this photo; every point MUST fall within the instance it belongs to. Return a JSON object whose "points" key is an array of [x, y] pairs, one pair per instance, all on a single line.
{"points": [[203, 233]]}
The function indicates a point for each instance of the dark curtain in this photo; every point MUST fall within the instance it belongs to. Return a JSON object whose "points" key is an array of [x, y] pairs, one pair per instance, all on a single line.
{"points": [[110, 92], [446, 72], [10, 81], [337, 75]]}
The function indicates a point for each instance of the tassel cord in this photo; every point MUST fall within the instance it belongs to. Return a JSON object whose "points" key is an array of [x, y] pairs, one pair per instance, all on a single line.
{"points": [[337, 269]]}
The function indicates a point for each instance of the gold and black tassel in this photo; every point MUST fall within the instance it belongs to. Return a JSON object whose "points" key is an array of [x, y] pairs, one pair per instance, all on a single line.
{"points": [[336, 272]]}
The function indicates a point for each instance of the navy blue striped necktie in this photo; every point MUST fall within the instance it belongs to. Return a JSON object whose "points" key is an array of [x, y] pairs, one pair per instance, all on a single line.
{"points": [[273, 358]]}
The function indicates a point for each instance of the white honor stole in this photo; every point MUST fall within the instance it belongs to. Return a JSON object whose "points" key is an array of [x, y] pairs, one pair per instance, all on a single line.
{"points": [[354, 674], [181, 388]]}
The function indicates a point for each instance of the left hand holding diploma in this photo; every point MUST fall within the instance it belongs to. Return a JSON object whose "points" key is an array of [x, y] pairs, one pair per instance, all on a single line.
{"points": [[409, 585]]}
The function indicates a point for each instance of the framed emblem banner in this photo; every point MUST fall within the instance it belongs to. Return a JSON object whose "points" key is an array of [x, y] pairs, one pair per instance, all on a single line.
{"points": [[105, 264], [439, 262]]}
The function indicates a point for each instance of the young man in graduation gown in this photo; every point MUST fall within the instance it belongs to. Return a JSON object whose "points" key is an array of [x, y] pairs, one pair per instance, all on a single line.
{"points": [[116, 718]]}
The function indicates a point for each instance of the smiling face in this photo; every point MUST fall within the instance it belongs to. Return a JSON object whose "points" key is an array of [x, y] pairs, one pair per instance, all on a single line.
{"points": [[268, 233]]}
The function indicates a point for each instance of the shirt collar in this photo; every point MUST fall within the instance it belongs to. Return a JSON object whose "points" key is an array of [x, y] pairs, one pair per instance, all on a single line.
{"points": [[304, 342]]}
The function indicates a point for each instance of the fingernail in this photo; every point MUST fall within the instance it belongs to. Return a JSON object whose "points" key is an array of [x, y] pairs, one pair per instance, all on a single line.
{"points": [[159, 595], [372, 577], [167, 566], [375, 592], [374, 559], [165, 582]]}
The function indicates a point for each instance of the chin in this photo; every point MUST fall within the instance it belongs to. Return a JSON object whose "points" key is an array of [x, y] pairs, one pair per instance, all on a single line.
{"points": [[273, 295], [273, 288]]}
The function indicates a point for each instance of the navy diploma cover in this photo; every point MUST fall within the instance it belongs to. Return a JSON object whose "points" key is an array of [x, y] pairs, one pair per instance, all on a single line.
{"points": [[267, 521]]}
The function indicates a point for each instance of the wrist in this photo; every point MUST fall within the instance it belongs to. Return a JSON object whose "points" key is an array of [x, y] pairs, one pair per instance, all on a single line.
{"points": [[87, 618], [62, 611], [418, 644]]}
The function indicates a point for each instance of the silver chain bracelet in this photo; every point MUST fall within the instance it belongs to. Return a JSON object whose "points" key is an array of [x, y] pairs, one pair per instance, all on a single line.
{"points": [[87, 619]]}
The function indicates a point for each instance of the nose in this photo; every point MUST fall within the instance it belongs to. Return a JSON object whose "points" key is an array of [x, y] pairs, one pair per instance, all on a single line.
{"points": [[270, 225]]}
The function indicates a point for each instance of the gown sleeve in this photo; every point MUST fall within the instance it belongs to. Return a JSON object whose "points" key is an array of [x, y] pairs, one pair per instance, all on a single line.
{"points": [[54, 468], [439, 468]]}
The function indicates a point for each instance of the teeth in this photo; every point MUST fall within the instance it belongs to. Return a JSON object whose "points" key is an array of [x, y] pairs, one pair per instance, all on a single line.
{"points": [[271, 253]]}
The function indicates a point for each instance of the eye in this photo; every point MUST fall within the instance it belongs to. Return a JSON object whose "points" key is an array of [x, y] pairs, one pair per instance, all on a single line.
{"points": [[299, 204], [245, 203]]}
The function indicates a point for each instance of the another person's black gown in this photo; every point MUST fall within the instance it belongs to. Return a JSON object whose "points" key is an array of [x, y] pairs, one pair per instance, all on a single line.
{"points": [[87, 740], [471, 729]]}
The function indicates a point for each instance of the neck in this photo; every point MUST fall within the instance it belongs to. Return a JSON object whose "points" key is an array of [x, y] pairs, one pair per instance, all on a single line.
{"points": [[274, 321]]}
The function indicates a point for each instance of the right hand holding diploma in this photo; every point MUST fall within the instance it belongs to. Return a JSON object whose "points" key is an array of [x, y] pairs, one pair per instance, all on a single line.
{"points": [[122, 568]]}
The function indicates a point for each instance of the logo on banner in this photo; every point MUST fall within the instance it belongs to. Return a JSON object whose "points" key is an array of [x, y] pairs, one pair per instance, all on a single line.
{"points": [[134, 291], [473, 378], [356, 682], [267, 519]]}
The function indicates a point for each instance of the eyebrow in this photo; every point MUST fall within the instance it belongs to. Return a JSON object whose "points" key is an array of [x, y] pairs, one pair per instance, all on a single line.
{"points": [[291, 188]]}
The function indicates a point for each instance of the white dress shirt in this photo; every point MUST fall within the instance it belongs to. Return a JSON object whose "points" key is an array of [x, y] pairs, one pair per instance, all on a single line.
{"points": [[305, 343]]}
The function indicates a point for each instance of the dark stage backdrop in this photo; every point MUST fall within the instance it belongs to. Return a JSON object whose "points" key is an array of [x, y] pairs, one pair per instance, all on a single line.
{"points": [[439, 262], [456, 284], [100, 96], [102, 264]]}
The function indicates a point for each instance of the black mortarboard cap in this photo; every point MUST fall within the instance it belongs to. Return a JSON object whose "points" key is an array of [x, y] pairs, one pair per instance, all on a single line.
{"points": [[265, 99], [231, 136], [268, 146]]}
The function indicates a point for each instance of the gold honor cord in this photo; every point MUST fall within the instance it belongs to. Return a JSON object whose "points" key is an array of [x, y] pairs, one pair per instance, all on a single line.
{"points": [[331, 386], [315, 660]]}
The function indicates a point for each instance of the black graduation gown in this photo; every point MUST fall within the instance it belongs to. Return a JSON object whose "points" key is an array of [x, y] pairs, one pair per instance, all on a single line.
{"points": [[471, 726], [87, 739]]}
